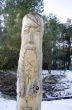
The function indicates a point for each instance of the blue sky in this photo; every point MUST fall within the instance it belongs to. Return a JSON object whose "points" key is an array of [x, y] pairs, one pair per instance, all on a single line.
{"points": [[61, 8]]}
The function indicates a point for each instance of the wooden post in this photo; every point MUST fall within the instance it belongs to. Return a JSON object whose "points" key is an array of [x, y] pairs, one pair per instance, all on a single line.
{"points": [[29, 81]]}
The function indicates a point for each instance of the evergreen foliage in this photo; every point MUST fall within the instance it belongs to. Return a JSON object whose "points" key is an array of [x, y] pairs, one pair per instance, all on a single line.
{"points": [[57, 39]]}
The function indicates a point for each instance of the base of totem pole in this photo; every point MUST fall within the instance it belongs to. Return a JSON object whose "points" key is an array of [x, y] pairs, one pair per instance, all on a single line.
{"points": [[28, 108]]}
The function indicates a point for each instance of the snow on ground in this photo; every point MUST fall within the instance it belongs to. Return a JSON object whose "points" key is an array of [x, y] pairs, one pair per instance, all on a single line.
{"points": [[67, 72], [63, 87], [64, 104], [6, 104], [57, 105], [69, 75]]}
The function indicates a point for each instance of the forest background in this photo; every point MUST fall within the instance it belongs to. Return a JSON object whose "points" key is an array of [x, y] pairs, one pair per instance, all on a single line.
{"points": [[57, 39]]}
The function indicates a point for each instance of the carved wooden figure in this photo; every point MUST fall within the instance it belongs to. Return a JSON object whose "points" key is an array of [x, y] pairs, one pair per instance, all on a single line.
{"points": [[29, 82]]}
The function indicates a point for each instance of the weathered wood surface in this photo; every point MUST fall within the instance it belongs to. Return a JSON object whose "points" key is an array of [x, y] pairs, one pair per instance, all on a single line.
{"points": [[29, 82]]}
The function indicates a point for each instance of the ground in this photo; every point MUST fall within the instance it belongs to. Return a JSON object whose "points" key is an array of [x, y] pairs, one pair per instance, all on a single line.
{"points": [[7, 103]]}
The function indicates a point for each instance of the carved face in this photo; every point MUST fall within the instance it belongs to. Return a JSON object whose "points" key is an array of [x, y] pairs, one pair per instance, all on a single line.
{"points": [[32, 30]]}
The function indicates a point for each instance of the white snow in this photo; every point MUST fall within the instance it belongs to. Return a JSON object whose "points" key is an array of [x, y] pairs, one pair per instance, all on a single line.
{"points": [[64, 82], [57, 105], [69, 75], [6, 104]]}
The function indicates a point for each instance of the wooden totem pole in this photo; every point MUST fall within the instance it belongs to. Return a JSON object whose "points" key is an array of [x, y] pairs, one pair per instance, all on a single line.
{"points": [[29, 82]]}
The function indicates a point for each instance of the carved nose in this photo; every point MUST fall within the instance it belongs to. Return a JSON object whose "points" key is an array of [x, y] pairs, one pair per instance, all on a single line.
{"points": [[31, 40]]}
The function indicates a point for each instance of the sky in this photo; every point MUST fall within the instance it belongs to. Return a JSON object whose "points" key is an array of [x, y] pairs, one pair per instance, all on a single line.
{"points": [[61, 8]]}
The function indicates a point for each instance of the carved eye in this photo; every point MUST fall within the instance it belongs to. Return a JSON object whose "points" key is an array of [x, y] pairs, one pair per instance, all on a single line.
{"points": [[26, 31]]}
